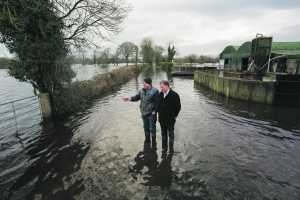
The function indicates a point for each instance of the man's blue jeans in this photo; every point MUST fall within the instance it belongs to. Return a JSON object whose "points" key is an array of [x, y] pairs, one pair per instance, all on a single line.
{"points": [[149, 124]]}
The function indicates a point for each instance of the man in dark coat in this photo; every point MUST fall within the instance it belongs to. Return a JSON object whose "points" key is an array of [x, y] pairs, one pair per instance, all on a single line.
{"points": [[168, 110]]}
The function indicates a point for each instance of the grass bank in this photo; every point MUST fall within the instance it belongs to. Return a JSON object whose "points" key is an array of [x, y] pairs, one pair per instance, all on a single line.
{"points": [[78, 96]]}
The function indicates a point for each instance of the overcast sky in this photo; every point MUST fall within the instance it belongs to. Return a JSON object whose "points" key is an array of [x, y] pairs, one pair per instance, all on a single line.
{"points": [[207, 26]]}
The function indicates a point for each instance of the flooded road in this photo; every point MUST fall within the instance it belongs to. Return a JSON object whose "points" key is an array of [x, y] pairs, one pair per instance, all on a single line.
{"points": [[224, 149]]}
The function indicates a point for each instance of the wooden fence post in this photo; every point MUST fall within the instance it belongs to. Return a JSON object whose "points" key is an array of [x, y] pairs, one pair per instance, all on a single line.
{"points": [[45, 105]]}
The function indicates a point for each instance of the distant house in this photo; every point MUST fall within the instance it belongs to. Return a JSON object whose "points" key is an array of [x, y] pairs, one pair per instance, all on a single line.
{"points": [[263, 55]]}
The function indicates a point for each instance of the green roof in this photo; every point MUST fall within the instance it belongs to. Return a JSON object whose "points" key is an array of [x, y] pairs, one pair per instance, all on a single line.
{"points": [[245, 49], [289, 49], [236, 47], [229, 51], [286, 48]]}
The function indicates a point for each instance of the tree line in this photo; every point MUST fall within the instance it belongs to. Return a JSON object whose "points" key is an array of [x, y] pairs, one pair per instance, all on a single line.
{"points": [[193, 58], [127, 52], [147, 52]]}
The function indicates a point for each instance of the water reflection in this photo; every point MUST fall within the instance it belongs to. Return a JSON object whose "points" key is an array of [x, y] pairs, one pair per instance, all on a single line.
{"points": [[164, 173], [53, 159], [146, 163], [283, 117], [151, 171]]}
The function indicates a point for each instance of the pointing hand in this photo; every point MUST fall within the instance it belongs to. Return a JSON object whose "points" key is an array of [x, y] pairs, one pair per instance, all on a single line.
{"points": [[125, 99]]}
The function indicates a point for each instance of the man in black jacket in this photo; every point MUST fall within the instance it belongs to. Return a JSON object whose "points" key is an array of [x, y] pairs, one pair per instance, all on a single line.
{"points": [[169, 108]]}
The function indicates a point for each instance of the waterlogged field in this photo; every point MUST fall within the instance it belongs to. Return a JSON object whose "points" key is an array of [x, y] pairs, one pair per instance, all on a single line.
{"points": [[87, 72]]}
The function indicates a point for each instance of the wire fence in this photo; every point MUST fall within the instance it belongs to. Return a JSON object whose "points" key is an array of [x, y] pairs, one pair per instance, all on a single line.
{"points": [[19, 115]]}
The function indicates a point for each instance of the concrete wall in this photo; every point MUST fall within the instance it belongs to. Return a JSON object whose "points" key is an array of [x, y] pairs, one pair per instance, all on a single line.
{"points": [[249, 90]]}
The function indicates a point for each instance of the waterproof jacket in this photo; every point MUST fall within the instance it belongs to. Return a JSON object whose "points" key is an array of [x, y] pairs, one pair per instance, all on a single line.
{"points": [[149, 100], [169, 106]]}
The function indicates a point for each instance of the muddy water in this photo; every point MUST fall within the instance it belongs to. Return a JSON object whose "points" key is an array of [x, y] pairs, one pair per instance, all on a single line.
{"points": [[224, 149]]}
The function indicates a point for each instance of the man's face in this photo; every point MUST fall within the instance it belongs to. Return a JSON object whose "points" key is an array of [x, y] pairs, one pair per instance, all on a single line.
{"points": [[147, 86], [164, 88]]}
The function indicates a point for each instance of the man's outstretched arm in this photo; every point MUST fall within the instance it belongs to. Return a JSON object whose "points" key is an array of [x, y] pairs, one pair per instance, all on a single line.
{"points": [[134, 98]]}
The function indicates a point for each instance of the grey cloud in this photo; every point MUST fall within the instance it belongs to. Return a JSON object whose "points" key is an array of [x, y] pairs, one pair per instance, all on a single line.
{"points": [[217, 7], [290, 33], [206, 26]]}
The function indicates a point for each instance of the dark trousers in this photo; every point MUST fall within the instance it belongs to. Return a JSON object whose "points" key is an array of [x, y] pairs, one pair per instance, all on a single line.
{"points": [[149, 122], [167, 133]]}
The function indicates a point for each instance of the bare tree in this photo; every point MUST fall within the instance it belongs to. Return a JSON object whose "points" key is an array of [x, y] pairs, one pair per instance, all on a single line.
{"points": [[147, 50], [84, 20], [127, 49], [105, 56], [158, 54]]}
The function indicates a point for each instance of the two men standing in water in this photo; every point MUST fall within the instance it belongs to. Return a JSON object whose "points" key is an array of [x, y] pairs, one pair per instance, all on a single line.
{"points": [[166, 104]]}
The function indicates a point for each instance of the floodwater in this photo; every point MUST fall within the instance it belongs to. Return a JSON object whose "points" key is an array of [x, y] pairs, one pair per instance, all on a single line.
{"points": [[87, 72], [224, 149], [11, 89]]}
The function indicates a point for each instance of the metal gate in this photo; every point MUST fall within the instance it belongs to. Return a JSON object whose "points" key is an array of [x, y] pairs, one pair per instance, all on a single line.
{"points": [[19, 115]]}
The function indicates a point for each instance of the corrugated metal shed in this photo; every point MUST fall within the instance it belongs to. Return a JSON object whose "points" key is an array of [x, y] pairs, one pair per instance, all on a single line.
{"points": [[245, 49], [290, 49], [229, 51], [279, 48]]}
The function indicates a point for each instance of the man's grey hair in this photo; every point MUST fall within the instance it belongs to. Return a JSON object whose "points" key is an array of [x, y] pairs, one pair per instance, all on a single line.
{"points": [[165, 82]]}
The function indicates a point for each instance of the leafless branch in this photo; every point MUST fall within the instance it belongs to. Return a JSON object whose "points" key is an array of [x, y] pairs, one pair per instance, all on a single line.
{"points": [[85, 20]]}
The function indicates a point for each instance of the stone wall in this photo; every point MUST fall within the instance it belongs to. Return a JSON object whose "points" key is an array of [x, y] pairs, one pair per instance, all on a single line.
{"points": [[249, 90]]}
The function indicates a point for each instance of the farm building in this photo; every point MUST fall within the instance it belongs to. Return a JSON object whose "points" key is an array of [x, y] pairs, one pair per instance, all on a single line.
{"points": [[262, 55]]}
